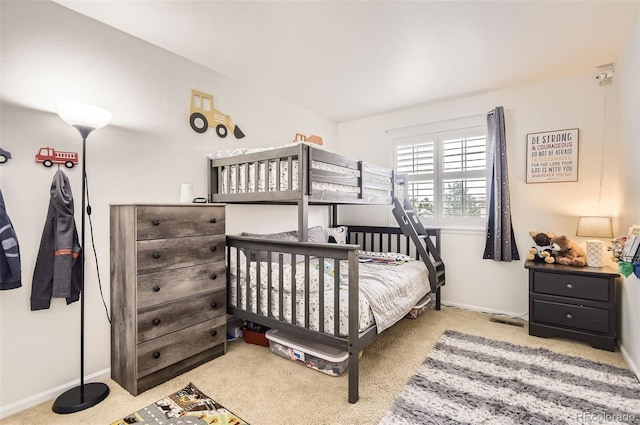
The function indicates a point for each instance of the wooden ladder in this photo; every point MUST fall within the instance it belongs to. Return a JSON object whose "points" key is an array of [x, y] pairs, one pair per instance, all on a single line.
{"points": [[413, 228]]}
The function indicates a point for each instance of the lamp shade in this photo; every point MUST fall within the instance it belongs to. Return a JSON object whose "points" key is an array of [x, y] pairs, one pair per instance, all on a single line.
{"points": [[595, 227], [78, 114]]}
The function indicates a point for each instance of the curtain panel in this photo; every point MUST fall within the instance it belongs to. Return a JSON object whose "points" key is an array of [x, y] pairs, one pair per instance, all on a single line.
{"points": [[501, 243]]}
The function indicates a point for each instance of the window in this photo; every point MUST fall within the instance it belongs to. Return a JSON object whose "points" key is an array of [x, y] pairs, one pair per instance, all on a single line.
{"points": [[446, 166]]}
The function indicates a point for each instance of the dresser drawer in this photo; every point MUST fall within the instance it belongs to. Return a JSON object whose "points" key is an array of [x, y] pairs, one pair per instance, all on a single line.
{"points": [[167, 254], [162, 287], [156, 222], [575, 286], [571, 316], [161, 352], [162, 319]]}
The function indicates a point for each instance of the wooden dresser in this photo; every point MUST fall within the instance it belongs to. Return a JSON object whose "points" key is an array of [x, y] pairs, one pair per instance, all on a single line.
{"points": [[168, 291], [574, 302]]}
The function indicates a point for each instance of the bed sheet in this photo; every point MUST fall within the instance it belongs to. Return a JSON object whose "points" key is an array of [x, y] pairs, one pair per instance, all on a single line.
{"points": [[387, 293]]}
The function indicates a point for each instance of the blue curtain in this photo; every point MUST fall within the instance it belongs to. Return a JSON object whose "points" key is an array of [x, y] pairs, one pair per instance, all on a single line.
{"points": [[501, 243]]}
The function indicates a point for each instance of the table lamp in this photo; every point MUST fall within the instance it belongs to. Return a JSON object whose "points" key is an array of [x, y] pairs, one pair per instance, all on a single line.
{"points": [[594, 227]]}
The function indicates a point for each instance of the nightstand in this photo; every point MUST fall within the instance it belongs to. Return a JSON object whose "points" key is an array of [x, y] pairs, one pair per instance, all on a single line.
{"points": [[574, 302]]}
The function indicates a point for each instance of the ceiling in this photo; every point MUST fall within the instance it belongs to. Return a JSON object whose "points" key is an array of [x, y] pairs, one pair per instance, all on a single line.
{"points": [[350, 59]]}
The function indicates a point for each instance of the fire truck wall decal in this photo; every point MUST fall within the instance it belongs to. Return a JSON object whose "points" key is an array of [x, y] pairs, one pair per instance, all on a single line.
{"points": [[203, 115], [49, 156]]}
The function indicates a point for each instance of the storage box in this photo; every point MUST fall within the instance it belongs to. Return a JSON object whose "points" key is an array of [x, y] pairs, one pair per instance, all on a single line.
{"points": [[253, 337], [322, 358], [234, 328], [254, 333], [419, 308]]}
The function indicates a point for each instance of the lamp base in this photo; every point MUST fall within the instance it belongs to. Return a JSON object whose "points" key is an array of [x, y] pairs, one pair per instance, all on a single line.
{"points": [[594, 253], [72, 400]]}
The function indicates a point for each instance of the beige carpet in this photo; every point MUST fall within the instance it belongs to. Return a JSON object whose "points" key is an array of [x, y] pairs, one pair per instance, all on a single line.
{"points": [[264, 389]]}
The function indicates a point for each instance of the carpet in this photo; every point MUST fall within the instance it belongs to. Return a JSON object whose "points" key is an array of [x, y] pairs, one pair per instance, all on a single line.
{"points": [[473, 380], [189, 406]]}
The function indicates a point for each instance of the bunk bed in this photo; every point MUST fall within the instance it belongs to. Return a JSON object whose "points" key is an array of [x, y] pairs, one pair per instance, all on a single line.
{"points": [[285, 284]]}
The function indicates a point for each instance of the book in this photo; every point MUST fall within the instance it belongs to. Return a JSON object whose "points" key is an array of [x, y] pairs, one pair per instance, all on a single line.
{"points": [[630, 249]]}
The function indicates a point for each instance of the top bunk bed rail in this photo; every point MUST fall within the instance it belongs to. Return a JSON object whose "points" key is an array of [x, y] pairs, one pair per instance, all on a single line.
{"points": [[296, 173]]}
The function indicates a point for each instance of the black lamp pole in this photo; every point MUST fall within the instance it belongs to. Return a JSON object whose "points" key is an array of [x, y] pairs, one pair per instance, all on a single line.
{"points": [[85, 395]]}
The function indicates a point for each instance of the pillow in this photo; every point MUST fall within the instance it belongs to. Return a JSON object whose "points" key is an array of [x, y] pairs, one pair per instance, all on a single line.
{"points": [[337, 234], [282, 236], [315, 234]]}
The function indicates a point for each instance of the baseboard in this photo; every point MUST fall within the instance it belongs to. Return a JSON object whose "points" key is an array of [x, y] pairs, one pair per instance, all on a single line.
{"points": [[627, 358], [523, 316], [50, 394]]}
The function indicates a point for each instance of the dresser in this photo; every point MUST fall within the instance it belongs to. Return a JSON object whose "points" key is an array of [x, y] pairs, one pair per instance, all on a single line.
{"points": [[581, 303], [168, 291]]}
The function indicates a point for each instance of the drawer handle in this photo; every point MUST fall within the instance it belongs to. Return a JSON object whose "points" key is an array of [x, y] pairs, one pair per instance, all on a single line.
{"points": [[213, 220], [214, 332], [569, 316], [214, 304], [156, 355], [214, 248], [214, 276], [155, 222], [156, 288], [156, 255], [569, 285], [156, 321]]}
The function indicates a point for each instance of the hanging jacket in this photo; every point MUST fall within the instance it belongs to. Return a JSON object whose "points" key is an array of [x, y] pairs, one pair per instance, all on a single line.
{"points": [[58, 272], [10, 271]]}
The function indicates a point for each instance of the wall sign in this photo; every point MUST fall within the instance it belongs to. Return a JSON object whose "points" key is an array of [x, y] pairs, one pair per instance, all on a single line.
{"points": [[552, 156]]}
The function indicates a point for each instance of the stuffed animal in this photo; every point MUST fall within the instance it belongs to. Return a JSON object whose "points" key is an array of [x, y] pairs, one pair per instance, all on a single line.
{"points": [[542, 250], [567, 252]]}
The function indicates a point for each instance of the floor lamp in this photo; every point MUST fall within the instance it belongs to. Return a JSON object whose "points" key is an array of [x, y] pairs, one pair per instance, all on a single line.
{"points": [[85, 119]]}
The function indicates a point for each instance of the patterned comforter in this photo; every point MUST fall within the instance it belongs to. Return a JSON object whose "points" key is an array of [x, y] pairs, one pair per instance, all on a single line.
{"points": [[388, 291]]}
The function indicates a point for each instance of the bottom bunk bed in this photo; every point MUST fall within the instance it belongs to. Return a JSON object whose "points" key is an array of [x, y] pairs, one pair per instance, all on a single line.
{"points": [[340, 295]]}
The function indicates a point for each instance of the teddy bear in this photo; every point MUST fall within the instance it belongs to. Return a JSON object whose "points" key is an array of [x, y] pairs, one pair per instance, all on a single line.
{"points": [[567, 252], [542, 250]]}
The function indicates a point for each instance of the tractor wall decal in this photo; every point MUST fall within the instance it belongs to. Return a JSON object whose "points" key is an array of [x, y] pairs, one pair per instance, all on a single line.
{"points": [[203, 115]]}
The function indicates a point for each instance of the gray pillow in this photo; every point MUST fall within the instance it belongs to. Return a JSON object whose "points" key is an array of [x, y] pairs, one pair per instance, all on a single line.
{"points": [[315, 234]]}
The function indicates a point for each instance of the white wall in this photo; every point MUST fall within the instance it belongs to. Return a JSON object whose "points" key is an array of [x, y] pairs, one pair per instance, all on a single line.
{"points": [[551, 105], [577, 102], [51, 54], [627, 176]]}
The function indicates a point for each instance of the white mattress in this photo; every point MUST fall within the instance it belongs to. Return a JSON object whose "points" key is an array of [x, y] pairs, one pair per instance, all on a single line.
{"points": [[387, 293]]}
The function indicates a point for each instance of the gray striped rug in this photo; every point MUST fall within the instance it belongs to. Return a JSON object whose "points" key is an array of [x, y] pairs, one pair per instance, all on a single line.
{"points": [[473, 380]]}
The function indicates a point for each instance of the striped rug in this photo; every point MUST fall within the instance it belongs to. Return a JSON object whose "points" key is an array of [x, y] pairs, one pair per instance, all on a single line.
{"points": [[473, 380]]}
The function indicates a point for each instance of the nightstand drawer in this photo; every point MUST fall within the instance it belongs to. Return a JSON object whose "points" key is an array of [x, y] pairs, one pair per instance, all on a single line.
{"points": [[574, 286], [571, 316], [169, 222]]}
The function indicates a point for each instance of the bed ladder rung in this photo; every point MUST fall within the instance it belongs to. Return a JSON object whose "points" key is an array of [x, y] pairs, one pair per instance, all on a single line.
{"points": [[429, 253]]}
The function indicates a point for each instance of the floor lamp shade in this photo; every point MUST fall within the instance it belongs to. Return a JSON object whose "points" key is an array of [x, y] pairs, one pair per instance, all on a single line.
{"points": [[85, 118], [80, 115], [594, 227]]}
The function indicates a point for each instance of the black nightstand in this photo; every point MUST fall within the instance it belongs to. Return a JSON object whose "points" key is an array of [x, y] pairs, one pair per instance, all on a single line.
{"points": [[574, 302]]}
